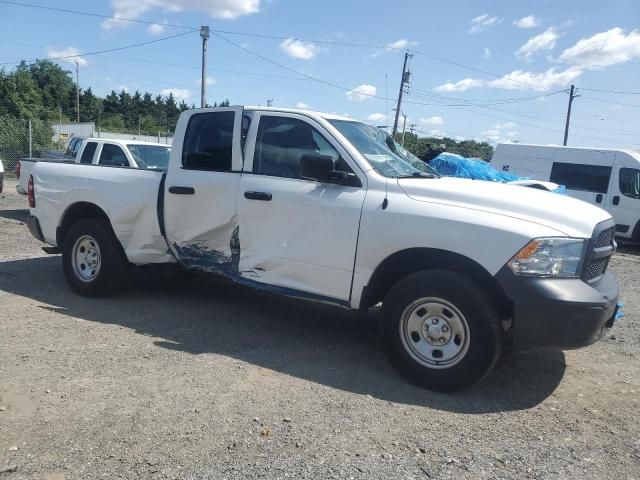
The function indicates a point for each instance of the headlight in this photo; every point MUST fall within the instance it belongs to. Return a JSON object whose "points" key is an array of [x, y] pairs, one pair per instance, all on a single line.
{"points": [[549, 257]]}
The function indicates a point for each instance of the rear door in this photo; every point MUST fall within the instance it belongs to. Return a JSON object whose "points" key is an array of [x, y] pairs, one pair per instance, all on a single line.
{"points": [[201, 188], [295, 233]]}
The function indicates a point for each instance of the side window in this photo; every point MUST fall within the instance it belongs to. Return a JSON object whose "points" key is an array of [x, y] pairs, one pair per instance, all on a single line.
{"points": [[208, 143], [630, 182], [87, 153], [574, 176], [113, 155], [282, 142]]}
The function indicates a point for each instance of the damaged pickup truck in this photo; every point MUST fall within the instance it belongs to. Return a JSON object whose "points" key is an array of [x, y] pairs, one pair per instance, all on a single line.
{"points": [[328, 209]]}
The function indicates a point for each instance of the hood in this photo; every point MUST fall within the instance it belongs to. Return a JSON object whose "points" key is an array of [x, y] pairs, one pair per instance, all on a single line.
{"points": [[567, 215]]}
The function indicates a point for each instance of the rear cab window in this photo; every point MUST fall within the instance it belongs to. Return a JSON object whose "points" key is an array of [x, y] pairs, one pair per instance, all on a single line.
{"points": [[113, 155], [150, 156], [88, 152]]}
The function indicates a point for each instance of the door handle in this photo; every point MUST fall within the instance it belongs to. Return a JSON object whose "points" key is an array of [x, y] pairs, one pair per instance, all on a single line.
{"points": [[616, 200], [264, 196], [599, 198], [182, 190]]}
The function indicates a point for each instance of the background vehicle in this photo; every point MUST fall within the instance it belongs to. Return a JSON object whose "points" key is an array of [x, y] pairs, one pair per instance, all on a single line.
{"points": [[102, 151], [607, 178], [323, 208]]}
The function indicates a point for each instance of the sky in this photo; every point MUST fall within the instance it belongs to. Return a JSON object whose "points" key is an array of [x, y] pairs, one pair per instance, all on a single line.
{"points": [[493, 70]]}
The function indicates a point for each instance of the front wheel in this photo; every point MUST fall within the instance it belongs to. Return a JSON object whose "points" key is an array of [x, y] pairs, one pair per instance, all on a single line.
{"points": [[92, 258], [442, 330]]}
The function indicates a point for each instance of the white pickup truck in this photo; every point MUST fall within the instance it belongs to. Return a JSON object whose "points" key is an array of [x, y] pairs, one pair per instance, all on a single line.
{"points": [[326, 208], [101, 151]]}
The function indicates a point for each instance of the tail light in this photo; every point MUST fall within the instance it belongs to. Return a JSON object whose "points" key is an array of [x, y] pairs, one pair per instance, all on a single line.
{"points": [[31, 193], [18, 170]]}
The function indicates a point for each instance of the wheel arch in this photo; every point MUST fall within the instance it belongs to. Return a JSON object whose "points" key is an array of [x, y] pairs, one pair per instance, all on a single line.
{"points": [[76, 212], [406, 262]]}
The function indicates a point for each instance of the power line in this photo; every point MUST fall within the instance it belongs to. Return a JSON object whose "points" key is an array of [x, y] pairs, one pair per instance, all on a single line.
{"points": [[98, 52], [609, 91], [91, 14], [611, 101]]}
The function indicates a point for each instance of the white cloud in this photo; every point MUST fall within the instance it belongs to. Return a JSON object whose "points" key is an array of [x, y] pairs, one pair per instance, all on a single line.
{"points": [[437, 133], [483, 22], [157, 28], [302, 106], [179, 94], [459, 86], [70, 55], [299, 49], [226, 9], [208, 81], [435, 120], [361, 93], [486, 53], [522, 80], [501, 133], [545, 41], [518, 80], [376, 118], [530, 21], [397, 45], [603, 49], [123, 88]]}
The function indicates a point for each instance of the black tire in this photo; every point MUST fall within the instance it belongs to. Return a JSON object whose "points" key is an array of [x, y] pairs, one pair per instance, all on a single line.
{"points": [[479, 316], [113, 266]]}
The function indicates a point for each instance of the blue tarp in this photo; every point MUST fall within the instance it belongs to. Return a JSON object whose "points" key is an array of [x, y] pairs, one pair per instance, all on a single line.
{"points": [[452, 165]]}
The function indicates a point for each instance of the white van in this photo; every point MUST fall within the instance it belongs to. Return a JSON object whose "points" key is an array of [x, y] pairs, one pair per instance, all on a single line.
{"points": [[608, 178]]}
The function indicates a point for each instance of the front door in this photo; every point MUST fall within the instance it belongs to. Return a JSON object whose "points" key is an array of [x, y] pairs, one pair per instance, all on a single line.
{"points": [[201, 190], [296, 234], [624, 200]]}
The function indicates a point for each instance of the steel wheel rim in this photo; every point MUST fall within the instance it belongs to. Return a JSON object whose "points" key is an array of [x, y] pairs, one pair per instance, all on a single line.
{"points": [[434, 332], [86, 258]]}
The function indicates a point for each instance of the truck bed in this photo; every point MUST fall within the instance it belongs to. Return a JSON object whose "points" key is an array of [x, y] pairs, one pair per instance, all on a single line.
{"points": [[129, 198]]}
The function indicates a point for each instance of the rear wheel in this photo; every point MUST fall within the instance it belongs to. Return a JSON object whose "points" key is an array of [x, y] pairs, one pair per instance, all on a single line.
{"points": [[442, 330], [93, 261]]}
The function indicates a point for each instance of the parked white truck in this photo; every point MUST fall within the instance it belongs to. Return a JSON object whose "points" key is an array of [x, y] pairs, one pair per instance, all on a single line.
{"points": [[323, 208], [101, 151]]}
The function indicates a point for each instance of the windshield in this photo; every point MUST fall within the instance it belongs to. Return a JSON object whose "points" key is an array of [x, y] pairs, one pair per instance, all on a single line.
{"points": [[150, 156], [383, 153]]}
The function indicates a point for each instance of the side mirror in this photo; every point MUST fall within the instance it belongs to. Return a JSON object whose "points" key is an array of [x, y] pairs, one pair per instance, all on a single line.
{"points": [[321, 168], [316, 167]]}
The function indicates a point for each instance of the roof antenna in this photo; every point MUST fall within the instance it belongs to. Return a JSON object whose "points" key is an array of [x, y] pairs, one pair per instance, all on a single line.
{"points": [[385, 202]]}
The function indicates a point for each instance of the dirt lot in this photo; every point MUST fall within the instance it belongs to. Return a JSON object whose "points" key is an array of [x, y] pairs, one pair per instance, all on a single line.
{"points": [[195, 378]]}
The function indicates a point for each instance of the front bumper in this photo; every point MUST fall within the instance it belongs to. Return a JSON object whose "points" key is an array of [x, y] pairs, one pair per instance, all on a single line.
{"points": [[560, 313], [34, 227]]}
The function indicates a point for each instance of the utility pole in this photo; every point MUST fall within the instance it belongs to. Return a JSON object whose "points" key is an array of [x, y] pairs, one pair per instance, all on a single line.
{"points": [[269, 102], [405, 79], [572, 95], [204, 33], [139, 121], [404, 126], [77, 92], [412, 127]]}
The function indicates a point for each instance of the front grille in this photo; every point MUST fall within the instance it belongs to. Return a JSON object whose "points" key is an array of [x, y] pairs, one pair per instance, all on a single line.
{"points": [[601, 248], [605, 239], [596, 269]]}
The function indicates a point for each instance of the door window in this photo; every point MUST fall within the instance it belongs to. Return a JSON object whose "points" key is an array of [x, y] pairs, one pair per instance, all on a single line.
{"points": [[575, 176], [87, 153], [113, 155], [282, 142], [208, 143], [630, 182]]}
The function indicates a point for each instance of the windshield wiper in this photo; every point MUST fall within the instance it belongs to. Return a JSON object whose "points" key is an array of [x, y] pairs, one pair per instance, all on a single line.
{"points": [[418, 175]]}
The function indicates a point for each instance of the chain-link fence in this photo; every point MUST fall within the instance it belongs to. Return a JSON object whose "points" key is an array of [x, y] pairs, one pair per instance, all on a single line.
{"points": [[23, 138], [20, 138]]}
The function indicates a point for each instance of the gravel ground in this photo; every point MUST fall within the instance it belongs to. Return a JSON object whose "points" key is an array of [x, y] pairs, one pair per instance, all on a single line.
{"points": [[193, 378]]}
